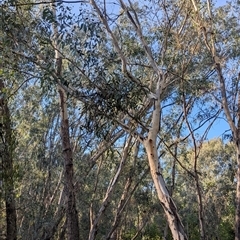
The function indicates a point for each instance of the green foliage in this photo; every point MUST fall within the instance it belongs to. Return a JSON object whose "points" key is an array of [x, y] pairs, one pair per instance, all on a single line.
{"points": [[101, 99], [152, 232], [47, 15], [226, 230]]}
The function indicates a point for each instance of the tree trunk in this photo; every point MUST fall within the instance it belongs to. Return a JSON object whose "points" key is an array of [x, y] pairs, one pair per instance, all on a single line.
{"points": [[72, 215], [108, 194], [211, 46], [168, 205], [237, 214], [7, 146], [200, 209], [236, 136], [71, 212]]}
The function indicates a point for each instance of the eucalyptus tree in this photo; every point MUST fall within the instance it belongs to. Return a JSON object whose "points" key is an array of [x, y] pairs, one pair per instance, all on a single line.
{"points": [[71, 211], [38, 52], [143, 71], [216, 174], [215, 28], [8, 76], [7, 153], [19, 72], [150, 61], [131, 68]]}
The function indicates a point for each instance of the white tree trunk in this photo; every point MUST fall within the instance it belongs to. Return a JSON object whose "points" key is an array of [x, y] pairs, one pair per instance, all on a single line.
{"points": [[168, 205]]}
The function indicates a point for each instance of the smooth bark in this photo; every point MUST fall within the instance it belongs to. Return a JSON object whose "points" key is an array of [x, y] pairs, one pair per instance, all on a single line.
{"points": [[71, 211], [149, 142], [210, 43], [167, 203]]}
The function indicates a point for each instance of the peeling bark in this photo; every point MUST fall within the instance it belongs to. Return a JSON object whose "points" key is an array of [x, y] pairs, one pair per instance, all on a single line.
{"points": [[167, 203]]}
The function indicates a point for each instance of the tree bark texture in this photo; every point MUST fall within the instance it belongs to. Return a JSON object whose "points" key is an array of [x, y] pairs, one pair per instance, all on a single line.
{"points": [[71, 212], [237, 213], [6, 150], [210, 44], [236, 136], [167, 203]]}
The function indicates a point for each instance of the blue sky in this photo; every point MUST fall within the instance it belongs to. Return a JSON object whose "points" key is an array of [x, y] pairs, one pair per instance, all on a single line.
{"points": [[220, 126], [220, 2]]}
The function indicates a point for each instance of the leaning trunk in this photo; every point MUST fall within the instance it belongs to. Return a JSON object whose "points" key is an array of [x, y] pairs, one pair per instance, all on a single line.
{"points": [[168, 205], [106, 200], [71, 212], [6, 151], [72, 216], [236, 137], [200, 209], [237, 214]]}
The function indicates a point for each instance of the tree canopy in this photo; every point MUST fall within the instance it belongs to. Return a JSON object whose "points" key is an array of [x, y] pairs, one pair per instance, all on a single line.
{"points": [[105, 113]]}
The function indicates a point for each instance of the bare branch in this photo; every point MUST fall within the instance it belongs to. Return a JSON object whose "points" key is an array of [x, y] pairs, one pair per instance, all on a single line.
{"points": [[138, 29]]}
